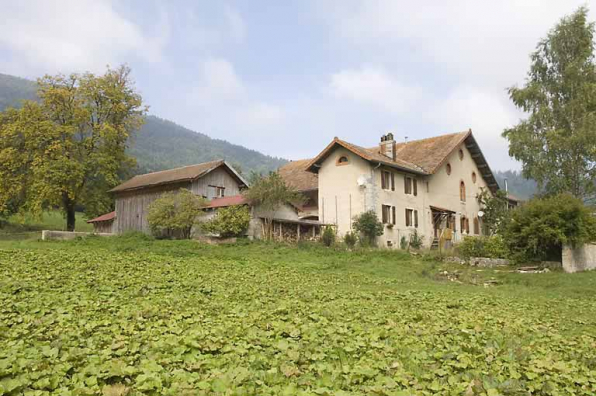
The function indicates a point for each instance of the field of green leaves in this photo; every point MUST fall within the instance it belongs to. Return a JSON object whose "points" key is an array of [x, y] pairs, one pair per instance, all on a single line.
{"points": [[125, 316]]}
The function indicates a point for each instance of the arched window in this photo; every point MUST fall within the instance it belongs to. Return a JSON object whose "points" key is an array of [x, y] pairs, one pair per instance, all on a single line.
{"points": [[462, 191], [343, 160], [448, 168], [474, 177], [461, 154], [476, 226]]}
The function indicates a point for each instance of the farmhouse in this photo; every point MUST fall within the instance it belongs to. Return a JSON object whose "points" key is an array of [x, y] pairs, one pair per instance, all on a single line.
{"points": [[428, 186]]}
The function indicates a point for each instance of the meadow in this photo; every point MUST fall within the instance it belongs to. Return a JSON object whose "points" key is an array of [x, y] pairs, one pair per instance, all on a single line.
{"points": [[133, 316]]}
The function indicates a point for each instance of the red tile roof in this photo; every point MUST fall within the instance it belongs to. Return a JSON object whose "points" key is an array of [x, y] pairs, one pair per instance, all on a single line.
{"points": [[103, 217], [227, 201], [296, 176]]}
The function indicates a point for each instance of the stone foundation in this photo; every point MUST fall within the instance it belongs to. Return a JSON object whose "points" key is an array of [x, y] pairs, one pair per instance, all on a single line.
{"points": [[47, 235], [581, 258]]}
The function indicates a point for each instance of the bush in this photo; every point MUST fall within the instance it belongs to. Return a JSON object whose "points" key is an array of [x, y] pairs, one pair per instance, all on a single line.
{"points": [[416, 240], [538, 229], [229, 222], [328, 236], [403, 243], [350, 239], [174, 214], [368, 225], [484, 246]]}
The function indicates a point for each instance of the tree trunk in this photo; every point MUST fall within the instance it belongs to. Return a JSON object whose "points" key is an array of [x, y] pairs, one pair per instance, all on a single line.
{"points": [[69, 208]]}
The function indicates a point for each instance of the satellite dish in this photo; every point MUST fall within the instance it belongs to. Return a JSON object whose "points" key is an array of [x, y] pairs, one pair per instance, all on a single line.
{"points": [[480, 214], [361, 181]]}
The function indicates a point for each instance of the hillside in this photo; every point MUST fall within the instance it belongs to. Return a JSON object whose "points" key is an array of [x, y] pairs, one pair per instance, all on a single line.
{"points": [[161, 144]]}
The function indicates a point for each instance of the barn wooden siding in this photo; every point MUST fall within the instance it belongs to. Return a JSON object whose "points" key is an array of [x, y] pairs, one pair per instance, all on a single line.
{"points": [[132, 206], [104, 227], [219, 177]]}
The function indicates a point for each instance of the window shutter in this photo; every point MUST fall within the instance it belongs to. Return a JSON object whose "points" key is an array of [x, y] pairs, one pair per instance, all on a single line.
{"points": [[393, 213], [415, 186], [383, 180], [405, 185], [392, 181], [415, 217], [383, 214], [407, 218]]}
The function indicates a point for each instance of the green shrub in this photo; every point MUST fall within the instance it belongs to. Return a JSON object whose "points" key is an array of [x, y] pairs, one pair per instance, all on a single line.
{"points": [[350, 239], [403, 243], [538, 229], [416, 240], [328, 236], [369, 226], [174, 214], [483, 246], [229, 222]]}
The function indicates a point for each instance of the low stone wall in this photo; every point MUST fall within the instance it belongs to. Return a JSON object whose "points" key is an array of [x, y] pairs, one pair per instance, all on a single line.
{"points": [[486, 262], [581, 258], [47, 235]]}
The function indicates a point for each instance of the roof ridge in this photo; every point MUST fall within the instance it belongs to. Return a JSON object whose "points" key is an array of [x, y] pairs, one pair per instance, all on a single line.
{"points": [[181, 167]]}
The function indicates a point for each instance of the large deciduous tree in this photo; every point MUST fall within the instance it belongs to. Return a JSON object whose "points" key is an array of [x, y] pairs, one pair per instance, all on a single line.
{"points": [[556, 143], [68, 149]]}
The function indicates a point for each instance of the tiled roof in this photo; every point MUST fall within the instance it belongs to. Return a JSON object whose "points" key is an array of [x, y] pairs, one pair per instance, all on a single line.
{"points": [[185, 173], [296, 176], [368, 154], [223, 202], [429, 154], [103, 217]]}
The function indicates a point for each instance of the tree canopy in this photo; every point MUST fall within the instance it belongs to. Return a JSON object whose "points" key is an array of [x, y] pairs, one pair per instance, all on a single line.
{"points": [[68, 149], [556, 143], [174, 214]]}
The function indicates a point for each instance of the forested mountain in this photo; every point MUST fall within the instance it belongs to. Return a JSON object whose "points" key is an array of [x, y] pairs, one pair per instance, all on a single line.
{"points": [[518, 185], [161, 144]]}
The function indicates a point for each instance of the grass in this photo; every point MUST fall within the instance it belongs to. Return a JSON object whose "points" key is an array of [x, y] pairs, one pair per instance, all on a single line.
{"points": [[132, 315], [29, 227]]}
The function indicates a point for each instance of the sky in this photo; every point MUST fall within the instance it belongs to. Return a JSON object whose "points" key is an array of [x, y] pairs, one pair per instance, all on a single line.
{"points": [[286, 77]]}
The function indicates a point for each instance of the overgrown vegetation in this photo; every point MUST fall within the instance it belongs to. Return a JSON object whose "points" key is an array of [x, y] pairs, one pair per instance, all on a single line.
{"points": [[539, 229], [350, 239], [135, 316], [174, 214], [369, 227], [232, 221], [483, 246], [328, 236], [495, 211], [416, 241]]}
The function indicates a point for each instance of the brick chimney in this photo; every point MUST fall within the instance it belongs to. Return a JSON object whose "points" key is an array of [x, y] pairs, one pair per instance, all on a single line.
{"points": [[387, 146]]}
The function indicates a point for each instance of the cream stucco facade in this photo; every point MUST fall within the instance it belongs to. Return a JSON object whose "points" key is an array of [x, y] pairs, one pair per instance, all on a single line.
{"points": [[350, 185]]}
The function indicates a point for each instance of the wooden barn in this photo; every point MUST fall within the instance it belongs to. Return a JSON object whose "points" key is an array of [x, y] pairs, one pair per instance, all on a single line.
{"points": [[215, 179]]}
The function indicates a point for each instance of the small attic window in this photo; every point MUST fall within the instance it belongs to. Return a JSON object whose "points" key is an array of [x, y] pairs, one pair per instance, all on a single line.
{"points": [[343, 160], [448, 169], [461, 154], [474, 177]]}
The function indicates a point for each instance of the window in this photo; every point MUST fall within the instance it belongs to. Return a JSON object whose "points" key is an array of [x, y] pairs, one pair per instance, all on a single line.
{"points": [[461, 154], [387, 180], [410, 185], [215, 192], [219, 192], [411, 218], [343, 160], [474, 177], [448, 169], [476, 226], [462, 191], [388, 214], [464, 225]]}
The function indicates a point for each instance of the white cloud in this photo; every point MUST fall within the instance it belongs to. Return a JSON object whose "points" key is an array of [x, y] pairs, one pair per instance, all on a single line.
{"points": [[218, 81], [77, 35], [486, 114], [373, 86]]}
